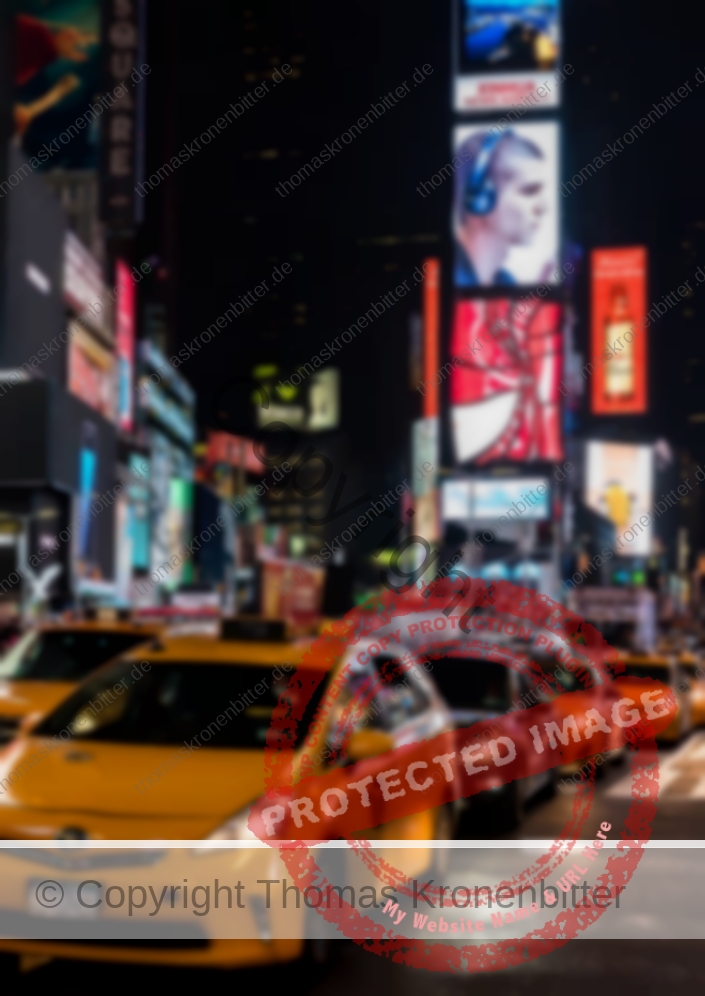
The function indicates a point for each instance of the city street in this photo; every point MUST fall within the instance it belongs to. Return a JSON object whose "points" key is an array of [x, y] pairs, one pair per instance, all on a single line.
{"points": [[681, 799], [352, 496], [610, 968], [591, 965]]}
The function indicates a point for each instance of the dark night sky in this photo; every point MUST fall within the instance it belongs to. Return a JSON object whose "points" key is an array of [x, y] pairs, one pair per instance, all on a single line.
{"points": [[226, 227]]}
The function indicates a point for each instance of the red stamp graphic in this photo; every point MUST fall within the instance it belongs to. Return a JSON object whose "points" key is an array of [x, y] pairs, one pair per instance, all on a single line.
{"points": [[505, 624]]}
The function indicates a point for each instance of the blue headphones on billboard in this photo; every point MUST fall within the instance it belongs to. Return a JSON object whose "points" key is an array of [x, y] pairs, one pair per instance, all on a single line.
{"points": [[480, 191]]}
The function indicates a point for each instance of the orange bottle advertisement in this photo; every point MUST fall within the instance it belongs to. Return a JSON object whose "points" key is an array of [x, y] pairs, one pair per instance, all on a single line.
{"points": [[618, 353]]}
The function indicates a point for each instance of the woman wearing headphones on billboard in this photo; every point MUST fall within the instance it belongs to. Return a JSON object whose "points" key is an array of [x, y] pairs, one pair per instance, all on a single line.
{"points": [[500, 202]]}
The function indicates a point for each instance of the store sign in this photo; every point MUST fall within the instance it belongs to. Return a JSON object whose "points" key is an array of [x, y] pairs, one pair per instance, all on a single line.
{"points": [[123, 125], [172, 416], [236, 451], [293, 591]]}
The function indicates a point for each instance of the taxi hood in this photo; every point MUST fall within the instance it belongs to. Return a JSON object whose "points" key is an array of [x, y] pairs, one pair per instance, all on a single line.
{"points": [[125, 779]]}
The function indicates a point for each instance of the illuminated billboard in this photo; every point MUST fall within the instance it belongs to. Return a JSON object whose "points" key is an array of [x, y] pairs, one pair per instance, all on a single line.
{"points": [[525, 497], [91, 372], [124, 343], [58, 77], [517, 499], [236, 451], [618, 353], [506, 52], [293, 591], [84, 288], [424, 455], [619, 484], [505, 359], [456, 501], [308, 399], [505, 204]]}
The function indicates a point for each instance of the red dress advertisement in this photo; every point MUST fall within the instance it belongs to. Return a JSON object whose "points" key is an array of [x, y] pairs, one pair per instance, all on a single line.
{"points": [[504, 382]]}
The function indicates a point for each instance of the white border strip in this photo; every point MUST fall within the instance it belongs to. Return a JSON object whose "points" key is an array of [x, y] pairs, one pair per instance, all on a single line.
{"points": [[379, 845]]}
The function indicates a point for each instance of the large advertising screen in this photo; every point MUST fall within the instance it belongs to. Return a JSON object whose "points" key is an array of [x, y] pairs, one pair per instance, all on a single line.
{"points": [[618, 352], [57, 79], [505, 204], [505, 50], [619, 484], [504, 381]]}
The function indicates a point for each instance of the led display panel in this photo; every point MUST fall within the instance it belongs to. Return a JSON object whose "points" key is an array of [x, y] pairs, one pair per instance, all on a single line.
{"points": [[619, 484], [505, 205], [504, 381], [506, 54], [618, 355]]}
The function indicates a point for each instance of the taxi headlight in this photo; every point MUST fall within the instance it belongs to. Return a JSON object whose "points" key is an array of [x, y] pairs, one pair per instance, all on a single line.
{"points": [[235, 827]]}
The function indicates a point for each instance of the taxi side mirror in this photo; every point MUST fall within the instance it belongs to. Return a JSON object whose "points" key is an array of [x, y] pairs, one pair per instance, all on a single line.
{"points": [[369, 743]]}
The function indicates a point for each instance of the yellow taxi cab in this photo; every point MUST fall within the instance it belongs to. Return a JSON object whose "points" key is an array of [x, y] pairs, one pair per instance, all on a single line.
{"points": [[663, 668], [694, 680], [44, 666], [168, 743]]}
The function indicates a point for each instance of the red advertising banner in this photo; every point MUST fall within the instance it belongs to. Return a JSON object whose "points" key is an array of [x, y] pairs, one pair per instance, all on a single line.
{"points": [[237, 451], [125, 342], [505, 371], [618, 351], [431, 326]]}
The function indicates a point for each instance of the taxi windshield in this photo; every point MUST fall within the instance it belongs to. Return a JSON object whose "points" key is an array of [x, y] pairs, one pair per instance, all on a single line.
{"points": [[469, 683], [170, 703], [69, 655], [658, 673]]}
